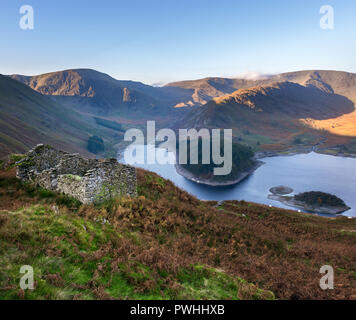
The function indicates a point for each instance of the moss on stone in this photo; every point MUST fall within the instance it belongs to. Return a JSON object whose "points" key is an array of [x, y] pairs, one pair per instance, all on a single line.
{"points": [[73, 177]]}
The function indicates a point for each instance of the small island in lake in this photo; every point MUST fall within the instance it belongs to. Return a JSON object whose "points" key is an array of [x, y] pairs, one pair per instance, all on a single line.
{"points": [[243, 164], [313, 201], [281, 190]]}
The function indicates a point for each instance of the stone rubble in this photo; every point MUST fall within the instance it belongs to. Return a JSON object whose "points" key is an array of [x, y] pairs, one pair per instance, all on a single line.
{"points": [[88, 180]]}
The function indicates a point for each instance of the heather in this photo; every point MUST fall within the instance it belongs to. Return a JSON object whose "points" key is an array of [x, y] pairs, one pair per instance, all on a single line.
{"points": [[166, 244]]}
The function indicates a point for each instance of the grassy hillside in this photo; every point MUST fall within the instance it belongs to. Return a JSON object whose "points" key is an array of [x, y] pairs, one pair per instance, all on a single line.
{"points": [[271, 116], [204, 90], [96, 92], [277, 132], [28, 118], [167, 244], [310, 107]]}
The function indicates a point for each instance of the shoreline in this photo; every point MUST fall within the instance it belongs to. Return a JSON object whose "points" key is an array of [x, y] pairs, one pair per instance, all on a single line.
{"points": [[269, 154], [190, 176], [258, 156]]}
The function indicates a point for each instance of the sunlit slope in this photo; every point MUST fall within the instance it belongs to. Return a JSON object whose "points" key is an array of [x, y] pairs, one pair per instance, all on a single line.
{"points": [[97, 92], [270, 115], [341, 83]]}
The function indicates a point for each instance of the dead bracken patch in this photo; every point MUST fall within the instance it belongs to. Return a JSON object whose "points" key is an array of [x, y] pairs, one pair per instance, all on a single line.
{"points": [[166, 243]]}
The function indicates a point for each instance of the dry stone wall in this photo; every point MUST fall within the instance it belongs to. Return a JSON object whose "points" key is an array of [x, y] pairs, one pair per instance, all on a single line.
{"points": [[87, 180]]}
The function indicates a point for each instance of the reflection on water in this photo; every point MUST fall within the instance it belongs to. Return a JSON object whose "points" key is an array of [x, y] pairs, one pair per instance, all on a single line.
{"points": [[304, 172]]}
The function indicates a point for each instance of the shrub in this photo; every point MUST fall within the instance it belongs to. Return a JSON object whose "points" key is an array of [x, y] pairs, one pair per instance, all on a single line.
{"points": [[69, 202], [319, 198], [95, 145], [16, 157], [45, 194], [242, 160]]}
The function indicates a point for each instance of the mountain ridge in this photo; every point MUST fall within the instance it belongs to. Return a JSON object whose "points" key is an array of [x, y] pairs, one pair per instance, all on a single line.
{"points": [[205, 87], [318, 104], [28, 118], [101, 93]]}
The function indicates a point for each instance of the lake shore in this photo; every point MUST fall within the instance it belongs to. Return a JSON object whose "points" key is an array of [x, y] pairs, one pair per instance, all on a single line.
{"points": [[304, 150], [190, 176]]}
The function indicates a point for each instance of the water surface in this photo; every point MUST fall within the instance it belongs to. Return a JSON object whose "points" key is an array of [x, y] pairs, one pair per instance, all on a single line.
{"points": [[303, 172]]}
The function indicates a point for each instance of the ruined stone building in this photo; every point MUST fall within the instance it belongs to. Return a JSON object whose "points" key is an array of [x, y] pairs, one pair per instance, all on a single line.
{"points": [[88, 180]]}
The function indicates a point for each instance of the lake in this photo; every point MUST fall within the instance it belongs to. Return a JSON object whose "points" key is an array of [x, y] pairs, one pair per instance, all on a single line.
{"points": [[303, 172]]}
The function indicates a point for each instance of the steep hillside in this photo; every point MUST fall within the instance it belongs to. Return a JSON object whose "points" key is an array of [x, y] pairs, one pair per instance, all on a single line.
{"points": [[28, 118], [167, 244], [270, 113], [341, 83], [96, 92], [291, 99], [203, 90], [273, 113]]}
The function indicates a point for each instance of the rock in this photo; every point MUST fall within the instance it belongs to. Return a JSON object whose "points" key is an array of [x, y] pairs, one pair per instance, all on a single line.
{"points": [[281, 190], [88, 180], [290, 201]]}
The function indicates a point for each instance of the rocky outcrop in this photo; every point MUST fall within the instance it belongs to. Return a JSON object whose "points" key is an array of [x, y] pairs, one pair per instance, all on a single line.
{"points": [[242, 176], [301, 205], [281, 190], [87, 180]]}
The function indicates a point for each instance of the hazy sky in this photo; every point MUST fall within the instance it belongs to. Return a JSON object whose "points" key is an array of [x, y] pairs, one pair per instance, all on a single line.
{"points": [[163, 40]]}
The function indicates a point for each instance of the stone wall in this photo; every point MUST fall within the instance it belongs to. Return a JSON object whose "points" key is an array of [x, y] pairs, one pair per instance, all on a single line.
{"points": [[87, 180]]}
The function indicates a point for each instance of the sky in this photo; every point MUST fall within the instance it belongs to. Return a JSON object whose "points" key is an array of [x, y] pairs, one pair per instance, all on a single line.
{"points": [[158, 41]]}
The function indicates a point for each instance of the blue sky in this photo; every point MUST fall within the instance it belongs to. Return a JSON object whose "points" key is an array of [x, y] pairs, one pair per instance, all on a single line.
{"points": [[164, 40]]}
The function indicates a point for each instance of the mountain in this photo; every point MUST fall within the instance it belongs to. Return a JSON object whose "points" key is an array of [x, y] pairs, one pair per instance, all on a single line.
{"points": [[291, 99], [204, 90], [278, 112], [28, 118], [92, 91], [339, 82], [271, 112]]}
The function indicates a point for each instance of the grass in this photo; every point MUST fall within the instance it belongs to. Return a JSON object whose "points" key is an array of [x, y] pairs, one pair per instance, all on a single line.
{"points": [[73, 257], [76, 257], [166, 244], [23, 124]]}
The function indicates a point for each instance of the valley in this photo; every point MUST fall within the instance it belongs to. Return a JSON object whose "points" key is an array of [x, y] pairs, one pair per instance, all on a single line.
{"points": [[289, 113], [160, 153], [302, 172]]}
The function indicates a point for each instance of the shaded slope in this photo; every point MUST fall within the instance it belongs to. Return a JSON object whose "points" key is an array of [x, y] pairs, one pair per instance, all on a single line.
{"points": [[28, 118], [263, 106], [97, 92], [203, 90]]}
